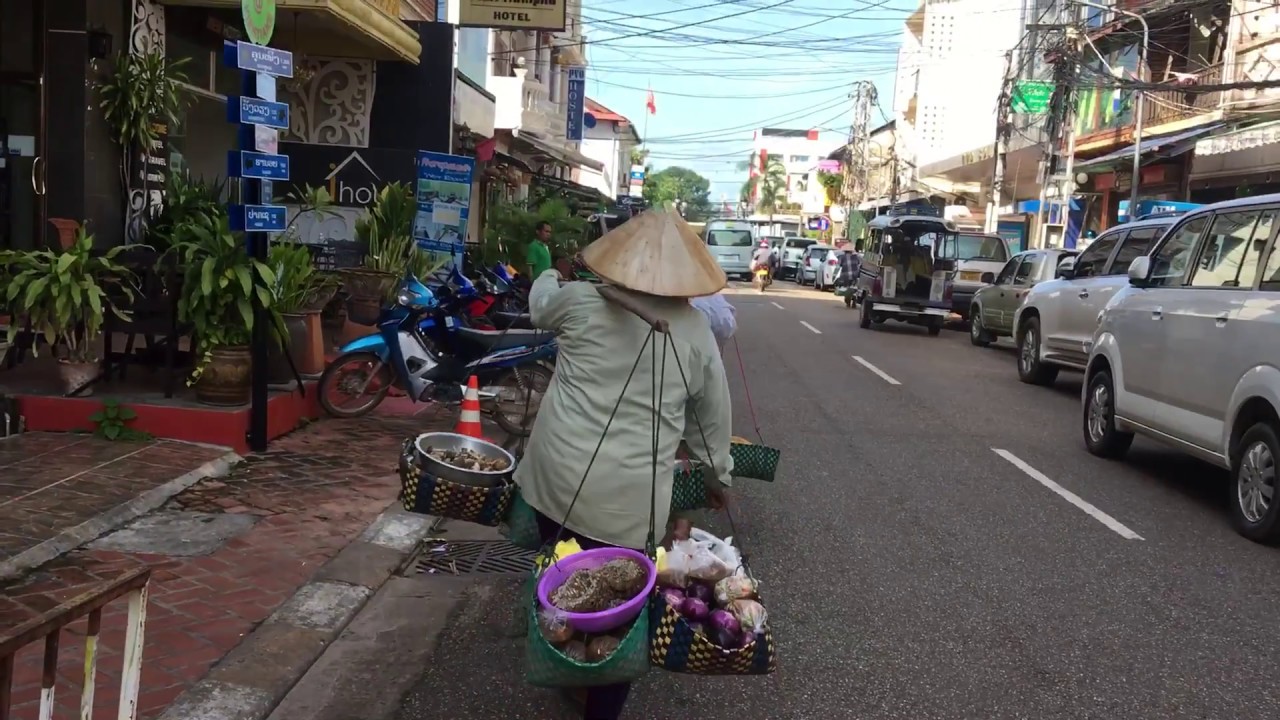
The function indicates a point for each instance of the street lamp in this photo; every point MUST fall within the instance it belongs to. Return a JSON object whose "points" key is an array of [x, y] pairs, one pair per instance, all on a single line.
{"points": [[1138, 106]]}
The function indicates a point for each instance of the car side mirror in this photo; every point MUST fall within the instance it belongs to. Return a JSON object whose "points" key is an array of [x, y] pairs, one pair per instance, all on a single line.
{"points": [[1139, 269], [988, 278], [1067, 269]]}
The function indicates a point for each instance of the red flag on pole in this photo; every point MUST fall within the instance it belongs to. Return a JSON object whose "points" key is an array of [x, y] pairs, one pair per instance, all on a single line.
{"points": [[651, 104]]}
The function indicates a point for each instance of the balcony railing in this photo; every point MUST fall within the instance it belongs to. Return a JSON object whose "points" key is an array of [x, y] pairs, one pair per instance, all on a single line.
{"points": [[520, 102], [48, 628], [1174, 104]]}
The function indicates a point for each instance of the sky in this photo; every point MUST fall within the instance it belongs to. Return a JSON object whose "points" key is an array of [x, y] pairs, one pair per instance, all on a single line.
{"points": [[721, 68]]}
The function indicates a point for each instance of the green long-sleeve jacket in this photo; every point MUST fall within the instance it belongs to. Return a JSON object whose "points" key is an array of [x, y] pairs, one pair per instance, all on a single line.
{"points": [[599, 343]]}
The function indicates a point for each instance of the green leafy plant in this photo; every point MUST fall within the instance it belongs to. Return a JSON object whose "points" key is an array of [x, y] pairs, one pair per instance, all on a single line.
{"points": [[220, 285], [387, 235], [299, 286], [185, 200], [66, 294], [510, 228], [141, 97], [768, 189], [112, 422], [834, 185]]}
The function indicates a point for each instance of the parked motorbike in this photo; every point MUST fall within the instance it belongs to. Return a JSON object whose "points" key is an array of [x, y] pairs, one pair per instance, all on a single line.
{"points": [[422, 347]]}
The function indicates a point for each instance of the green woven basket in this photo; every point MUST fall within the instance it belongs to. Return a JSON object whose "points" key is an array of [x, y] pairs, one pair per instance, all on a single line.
{"points": [[758, 462], [520, 526], [545, 666]]}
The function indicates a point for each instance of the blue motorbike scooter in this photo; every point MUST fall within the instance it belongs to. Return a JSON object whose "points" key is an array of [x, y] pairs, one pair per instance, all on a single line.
{"points": [[422, 348]]}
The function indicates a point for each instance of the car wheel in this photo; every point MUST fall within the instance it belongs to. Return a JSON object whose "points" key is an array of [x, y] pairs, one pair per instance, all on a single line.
{"points": [[1255, 510], [864, 312], [978, 335], [1100, 434], [1031, 369]]}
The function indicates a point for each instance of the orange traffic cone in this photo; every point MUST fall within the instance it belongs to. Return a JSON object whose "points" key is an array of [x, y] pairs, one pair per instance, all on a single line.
{"points": [[469, 420]]}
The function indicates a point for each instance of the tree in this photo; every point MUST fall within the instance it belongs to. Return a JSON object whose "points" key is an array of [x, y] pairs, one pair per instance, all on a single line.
{"points": [[682, 187], [639, 155], [768, 188]]}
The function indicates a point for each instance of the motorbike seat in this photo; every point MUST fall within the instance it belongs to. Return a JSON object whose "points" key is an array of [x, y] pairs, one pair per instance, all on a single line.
{"points": [[520, 321], [494, 340]]}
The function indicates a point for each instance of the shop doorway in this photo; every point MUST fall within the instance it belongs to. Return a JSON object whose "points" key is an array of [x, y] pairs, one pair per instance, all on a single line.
{"points": [[22, 122]]}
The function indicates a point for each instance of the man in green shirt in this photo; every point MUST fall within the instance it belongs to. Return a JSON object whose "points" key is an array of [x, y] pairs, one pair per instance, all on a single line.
{"points": [[539, 253]]}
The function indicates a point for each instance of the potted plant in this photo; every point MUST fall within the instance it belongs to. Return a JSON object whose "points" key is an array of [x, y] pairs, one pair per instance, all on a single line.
{"points": [[299, 294], [142, 96], [386, 233], [65, 297], [220, 284]]}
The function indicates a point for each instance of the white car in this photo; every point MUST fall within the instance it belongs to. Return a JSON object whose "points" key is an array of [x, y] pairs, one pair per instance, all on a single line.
{"points": [[1186, 353], [1054, 325]]}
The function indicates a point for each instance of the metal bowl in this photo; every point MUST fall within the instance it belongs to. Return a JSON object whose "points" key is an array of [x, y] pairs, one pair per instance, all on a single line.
{"points": [[453, 473]]}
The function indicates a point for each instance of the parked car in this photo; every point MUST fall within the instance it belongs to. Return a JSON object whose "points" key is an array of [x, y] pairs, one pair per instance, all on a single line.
{"points": [[1055, 323], [994, 305], [790, 254], [732, 244], [979, 254], [826, 278], [1186, 353], [811, 262]]}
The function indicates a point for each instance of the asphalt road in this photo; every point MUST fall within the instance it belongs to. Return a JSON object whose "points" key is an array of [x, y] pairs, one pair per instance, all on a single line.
{"points": [[938, 544]]}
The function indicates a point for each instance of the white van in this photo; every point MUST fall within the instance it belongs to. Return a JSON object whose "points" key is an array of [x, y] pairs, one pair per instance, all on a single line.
{"points": [[731, 243]]}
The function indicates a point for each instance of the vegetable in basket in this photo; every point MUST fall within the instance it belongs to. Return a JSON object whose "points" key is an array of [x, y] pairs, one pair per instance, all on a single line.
{"points": [[700, 591], [694, 609], [554, 627], [750, 614], [575, 650], [600, 648], [735, 587], [672, 596]]}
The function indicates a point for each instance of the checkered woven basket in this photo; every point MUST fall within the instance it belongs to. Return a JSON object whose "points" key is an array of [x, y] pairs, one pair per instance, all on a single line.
{"points": [[758, 462], [422, 492], [674, 646]]}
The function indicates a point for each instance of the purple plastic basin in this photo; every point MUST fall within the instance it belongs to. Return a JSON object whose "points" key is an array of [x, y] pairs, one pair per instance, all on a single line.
{"points": [[597, 622]]}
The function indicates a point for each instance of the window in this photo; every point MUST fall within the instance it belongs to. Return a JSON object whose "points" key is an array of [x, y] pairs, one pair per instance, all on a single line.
{"points": [[1092, 261], [1169, 262], [1230, 254], [982, 247], [1006, 272], [798, 159], [1136, 245], [729, 238], [1026, 269]]}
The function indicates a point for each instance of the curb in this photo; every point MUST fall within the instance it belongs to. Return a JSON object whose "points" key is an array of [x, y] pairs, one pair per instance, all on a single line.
{"points": [[109, 520], [250, 681]]}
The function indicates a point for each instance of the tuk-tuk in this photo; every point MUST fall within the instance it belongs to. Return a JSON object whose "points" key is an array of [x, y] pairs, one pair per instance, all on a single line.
{"points": [[906, 268]]}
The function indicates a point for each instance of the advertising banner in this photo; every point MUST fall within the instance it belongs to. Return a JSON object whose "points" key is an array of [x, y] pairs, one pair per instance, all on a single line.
{"points": [[513, 14], [444, 203], [577, 91]]}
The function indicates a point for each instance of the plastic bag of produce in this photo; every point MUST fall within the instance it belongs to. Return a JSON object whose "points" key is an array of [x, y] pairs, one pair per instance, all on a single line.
{"points": [[691, 560]]}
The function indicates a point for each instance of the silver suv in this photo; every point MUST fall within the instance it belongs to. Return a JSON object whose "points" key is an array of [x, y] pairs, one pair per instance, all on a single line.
{"points": [[1186, 353], [1054, 324]]}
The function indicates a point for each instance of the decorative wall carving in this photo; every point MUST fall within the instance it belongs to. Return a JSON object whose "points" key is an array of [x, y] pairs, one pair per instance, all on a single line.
{"points": [[147, 30], [330, 101]]}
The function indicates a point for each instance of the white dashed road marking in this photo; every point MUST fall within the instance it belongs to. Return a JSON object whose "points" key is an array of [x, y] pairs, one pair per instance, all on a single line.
{"points": [[1069, 496], [776, 305], [883, 375], [815, 330]]}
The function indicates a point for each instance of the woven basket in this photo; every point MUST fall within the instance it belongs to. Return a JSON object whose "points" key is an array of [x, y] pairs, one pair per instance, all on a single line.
{"points": [[674, 646], [759, 462], [545, 666], [422, 492], [520, 526]]}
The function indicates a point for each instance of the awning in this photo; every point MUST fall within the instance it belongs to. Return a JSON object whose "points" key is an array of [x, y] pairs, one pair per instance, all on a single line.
{"points": [[1165, 146], [566, 155], [368, 29], [1256, 136]]}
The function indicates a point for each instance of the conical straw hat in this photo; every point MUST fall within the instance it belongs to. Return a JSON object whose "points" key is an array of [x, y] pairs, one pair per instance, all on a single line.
{"points": [[656, 253]]}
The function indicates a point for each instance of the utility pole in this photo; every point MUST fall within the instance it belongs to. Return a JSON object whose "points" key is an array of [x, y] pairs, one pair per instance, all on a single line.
{"points": [[856, 170], [1064, 60], [1004, 126]]}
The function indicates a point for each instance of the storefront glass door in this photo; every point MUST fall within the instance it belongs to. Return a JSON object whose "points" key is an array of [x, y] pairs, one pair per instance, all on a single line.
{"points": [[22, 166]]}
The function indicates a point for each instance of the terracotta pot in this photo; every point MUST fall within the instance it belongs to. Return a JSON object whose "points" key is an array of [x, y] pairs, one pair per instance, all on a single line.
{"points": [[76, 375], [278, 370], [225, 380], [364, 310], [310, 359]]}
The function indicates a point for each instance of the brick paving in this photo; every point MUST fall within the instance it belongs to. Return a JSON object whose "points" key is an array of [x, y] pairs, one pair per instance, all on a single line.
{"points": [[312, 493], [51, 482]]}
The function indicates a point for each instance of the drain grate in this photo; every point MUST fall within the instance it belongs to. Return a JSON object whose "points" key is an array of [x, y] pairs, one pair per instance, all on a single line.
{"points": [[470, 557]]}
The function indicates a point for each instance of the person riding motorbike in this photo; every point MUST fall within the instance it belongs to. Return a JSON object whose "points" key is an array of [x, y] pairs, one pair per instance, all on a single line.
{"points": [[763, 258]]}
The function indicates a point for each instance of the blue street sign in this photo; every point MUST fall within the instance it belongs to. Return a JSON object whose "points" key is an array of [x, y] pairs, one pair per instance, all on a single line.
{"points": [[252, 111], [576, 103], [258, 58], [259, 218], [245, 164]]}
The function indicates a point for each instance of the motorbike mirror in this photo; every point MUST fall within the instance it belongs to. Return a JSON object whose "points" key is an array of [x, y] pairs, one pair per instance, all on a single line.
{"points": [[988, 278]]}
